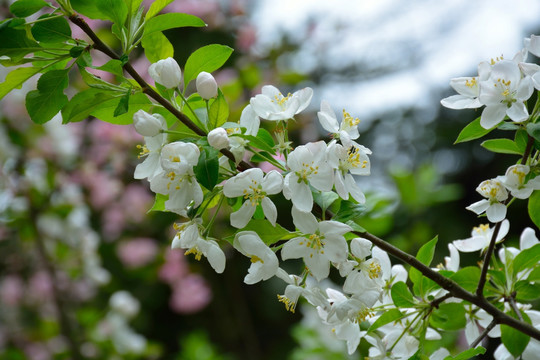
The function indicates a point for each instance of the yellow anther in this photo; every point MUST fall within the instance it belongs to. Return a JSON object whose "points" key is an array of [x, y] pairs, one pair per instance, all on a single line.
{"points": [[289, 304], [471, 83], [255, 258], [374, 270], [144, 151], [364, 314], [280, 99], [349, 120], [198, 254]]}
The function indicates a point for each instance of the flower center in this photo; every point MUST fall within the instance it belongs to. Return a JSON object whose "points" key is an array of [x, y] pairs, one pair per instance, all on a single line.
{"points": [[281, 100], [498, 58], [349, 120], [363, 315], [520, 175], [374, 270], [481, 229], [254, 193], [289, 304], [306, 171], [194, 250], [143, 151], [255, 258], [471, 83]]}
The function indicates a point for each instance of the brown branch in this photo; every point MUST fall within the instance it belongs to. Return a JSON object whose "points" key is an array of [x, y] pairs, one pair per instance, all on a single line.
{"points": [[484, 333]]}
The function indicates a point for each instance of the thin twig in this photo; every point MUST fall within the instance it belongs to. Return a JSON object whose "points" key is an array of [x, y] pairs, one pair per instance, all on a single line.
{"points": [[484, 333], [514, 307], [435, 303]]}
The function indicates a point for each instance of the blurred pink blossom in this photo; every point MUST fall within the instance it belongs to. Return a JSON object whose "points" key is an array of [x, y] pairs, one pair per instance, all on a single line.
{"points": [[11, 290], [40, 286], [114, 220], [137, 200], [37, 351], [137, 252], [190, 294], [174, 268]]}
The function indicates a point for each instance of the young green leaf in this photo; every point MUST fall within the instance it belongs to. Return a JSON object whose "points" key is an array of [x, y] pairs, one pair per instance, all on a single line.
{"points": [[24, 8], [502, 146], [521, 139], [534, 208], [449, 316], [14, 43], [156, 7], [105, 111], [325, 199], [527, 259], [16, 78], [467, 277], [113, 66], [467, 354], [219, 112], [424, 255], [157, 46], [471, 132], [123, 105], [45, 102], [53, 30], [514, 340], [386, 318], [401, 296], [171, 21], [208, 58], [533, 129], [269, 234], [84, 103], [207, 169], [159, 203], [114, 10]]}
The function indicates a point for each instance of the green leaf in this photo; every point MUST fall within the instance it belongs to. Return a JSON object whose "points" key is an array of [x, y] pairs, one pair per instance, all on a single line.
{"points": [[95, 81], [84, 103], [355, 227], [15, 43], [401, 296], [521, 139], [386, 318], [113, 66], [533, 129], [54, 30], [467, 277], [157, 46], [257, 143], [207, 169], [526, 291], [16, 78], [88, 8], [424, 255], [467, 354], [472, 131], [171, 21], [534, 208], [502, 146], [449, 316], [268, 233], [514, 340], [219, 111], [208, 58], [325, 198], [534, 276], [527, 258], [114, 10], [156, 7], [349, 211], [45, 102], [24, 8], [159, 203], [105, 111], [123, 105]]}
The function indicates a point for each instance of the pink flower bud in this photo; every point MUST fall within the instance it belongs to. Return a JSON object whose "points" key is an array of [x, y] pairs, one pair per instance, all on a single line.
{"points": [[206, 85], [166, 72]]}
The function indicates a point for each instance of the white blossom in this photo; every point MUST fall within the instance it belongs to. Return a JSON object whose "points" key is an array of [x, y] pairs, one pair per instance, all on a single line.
{"points": [[481, 237], [515, 181], [206, 85], [348, 129], [272, 105], [166, 72], [494, 192], [218, 138], [264, 262], [148, 124]]}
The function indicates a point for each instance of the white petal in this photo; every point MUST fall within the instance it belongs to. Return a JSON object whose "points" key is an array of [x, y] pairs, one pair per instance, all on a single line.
{"points": [[492, 115], [527, 239], [242, 216], [518, 112], [270, 210], [496, 212], [479, 206], [304, 221], [458, 102]]}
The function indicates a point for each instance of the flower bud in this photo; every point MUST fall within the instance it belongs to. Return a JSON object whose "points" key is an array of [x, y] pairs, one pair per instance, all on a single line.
{"points": [[166, 72], [218, 138], [206, 85], [147, 124]]}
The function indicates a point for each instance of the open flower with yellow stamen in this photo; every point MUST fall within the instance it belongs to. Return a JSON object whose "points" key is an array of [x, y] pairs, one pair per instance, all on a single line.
{"points": [[188, 237], [272, 105], [367, 274], [348, 160], [481, 237], [347, 130], [308, 166], [255, 187], [515, 180], [494, 192], [321, 243], [264, 262], [151, 153], [177, 178], [505, 93]]}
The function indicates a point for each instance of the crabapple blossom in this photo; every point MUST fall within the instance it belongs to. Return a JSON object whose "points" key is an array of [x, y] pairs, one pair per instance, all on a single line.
{"points": [[468, 90], [166, 72], [515, 180], [320, 243], [366, 275], [481, 237], [206, 85], [308, 166], [264, 262], [494, 192], [255, 187], [177, 178], [188, 237], [272, 105], [151, 151], [346, 161], [504, 94], [348, 129]]}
